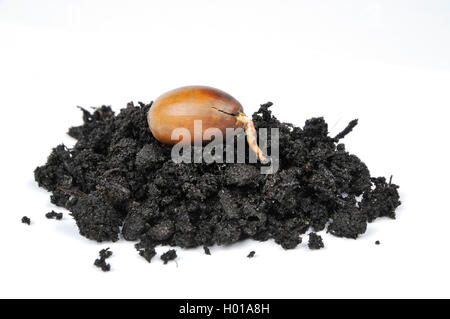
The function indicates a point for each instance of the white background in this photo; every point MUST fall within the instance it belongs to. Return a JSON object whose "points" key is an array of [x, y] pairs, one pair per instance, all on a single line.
{"points": [[384, 62]]}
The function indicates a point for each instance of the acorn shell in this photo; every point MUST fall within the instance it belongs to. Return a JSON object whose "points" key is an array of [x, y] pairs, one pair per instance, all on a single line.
{"points": [[179, 108]]}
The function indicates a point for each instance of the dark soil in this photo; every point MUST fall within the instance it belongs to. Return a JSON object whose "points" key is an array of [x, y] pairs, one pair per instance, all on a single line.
{"points": [[26, 220], [315, 241], [118, 180], [251, 254], [101, 262], [146, 249], [206, 250], [54, 215], [168, 256]]}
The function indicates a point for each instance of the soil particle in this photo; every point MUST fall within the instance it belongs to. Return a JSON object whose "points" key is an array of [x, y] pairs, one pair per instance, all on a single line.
{"points": [[381, 201], [348, 221], [315, 241], [146, 248], [168, 256], [96, 217], [54, 215], [251, 254], [377, 242], [119, 180], [101, 262], [147, 253], [206, 250], [26, 220]]}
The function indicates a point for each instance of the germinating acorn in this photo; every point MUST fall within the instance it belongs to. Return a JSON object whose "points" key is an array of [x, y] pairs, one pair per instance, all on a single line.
{"points": [[179, 108]]}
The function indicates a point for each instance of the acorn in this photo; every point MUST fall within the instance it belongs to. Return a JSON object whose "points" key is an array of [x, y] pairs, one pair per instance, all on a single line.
{"points": [[179, 108]]}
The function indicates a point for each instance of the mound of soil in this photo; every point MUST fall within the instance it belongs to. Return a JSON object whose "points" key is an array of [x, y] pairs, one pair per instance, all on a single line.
{"points": [[118, 180]]}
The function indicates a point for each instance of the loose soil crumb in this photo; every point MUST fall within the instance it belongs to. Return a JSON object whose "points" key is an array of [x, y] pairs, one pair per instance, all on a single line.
{"points": [[377, 242], [26, 220], [146, 250], [101, 262], [207, 251], [168, 256], [251, 254], [315, 241], [54, 215], [118, 180]]}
